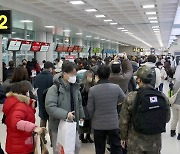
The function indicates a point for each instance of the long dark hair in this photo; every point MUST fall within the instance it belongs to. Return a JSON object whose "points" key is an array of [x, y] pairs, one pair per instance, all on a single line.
{"points": [[84, 81], [20, 73]]}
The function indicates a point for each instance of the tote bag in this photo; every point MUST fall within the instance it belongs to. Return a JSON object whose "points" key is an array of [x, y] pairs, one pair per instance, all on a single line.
{"points": [[66, 137]]}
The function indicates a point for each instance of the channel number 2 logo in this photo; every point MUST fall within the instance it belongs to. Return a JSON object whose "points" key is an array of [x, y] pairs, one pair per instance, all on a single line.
{"points": [[3, 21]]}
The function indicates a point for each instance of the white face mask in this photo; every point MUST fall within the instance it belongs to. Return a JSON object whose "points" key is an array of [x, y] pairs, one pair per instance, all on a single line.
{"points": [[160, 67], [72, 79]]}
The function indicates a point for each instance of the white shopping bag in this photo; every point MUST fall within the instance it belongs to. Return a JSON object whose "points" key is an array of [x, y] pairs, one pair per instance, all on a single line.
{"points": [[66, 137]]}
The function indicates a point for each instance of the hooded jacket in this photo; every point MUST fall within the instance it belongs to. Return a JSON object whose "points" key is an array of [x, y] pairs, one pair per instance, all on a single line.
{"points": [[58, 102], [20, 121]]}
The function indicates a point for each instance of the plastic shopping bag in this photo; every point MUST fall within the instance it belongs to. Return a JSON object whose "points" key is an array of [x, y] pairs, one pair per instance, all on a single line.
{"points": [[66, 137]]}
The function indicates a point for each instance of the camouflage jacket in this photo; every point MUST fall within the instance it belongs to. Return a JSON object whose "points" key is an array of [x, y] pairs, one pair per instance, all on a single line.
{"points": [[136, 141]]}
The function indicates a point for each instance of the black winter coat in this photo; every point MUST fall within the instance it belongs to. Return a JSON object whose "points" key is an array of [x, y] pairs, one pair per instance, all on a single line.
{"points": [[43, 81]]}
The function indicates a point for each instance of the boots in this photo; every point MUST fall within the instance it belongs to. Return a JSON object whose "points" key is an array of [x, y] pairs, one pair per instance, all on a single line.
{"points": [[81, 137], [178, 138], [173, 133], [88, 138]]}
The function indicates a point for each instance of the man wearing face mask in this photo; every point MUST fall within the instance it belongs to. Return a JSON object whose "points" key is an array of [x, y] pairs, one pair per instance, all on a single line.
{"points": [[64, 102]]}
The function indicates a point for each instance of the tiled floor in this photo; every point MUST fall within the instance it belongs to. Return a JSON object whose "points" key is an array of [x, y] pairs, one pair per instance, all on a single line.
{"points": [[170, 145]]}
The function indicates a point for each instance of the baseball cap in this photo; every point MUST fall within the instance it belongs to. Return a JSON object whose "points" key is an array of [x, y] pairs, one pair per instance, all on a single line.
{"points": [[144, 72]]}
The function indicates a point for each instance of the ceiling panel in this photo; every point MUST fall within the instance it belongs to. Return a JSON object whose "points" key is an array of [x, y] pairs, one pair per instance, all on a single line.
{"points": [[128, 13]]}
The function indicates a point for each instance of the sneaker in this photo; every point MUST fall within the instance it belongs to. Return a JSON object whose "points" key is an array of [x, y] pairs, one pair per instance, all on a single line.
{"points": [[108, 150], [88, 138], [178, 138], [173, 133]]}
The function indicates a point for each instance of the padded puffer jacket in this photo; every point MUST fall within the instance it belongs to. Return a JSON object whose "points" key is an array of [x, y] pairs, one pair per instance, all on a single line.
{"points": [[18, 108]]}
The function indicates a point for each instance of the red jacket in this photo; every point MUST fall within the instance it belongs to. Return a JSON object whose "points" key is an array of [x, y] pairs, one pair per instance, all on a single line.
{"points": [[18, 109]]}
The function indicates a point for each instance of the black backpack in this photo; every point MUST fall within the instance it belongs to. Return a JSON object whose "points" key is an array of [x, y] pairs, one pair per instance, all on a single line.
{"points": [[44, 98], [149, 112]]}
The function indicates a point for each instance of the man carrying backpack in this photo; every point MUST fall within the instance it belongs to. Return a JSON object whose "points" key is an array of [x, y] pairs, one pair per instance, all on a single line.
{"points": [[43, 81], [143, 116]]}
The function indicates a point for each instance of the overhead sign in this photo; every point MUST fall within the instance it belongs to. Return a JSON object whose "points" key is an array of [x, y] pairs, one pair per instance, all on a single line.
{"points": [[45, 47], [71, 58], [5, 22], [36, 46], [14, 45], [26, 45], [59, 48]]}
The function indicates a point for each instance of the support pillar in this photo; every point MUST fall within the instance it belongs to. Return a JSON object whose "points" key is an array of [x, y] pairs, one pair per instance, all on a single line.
{"points": [[50, 53], [40, 56]]}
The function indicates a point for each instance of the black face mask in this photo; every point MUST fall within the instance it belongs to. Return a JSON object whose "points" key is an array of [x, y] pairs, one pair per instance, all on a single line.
{"points": [[24, 63]]}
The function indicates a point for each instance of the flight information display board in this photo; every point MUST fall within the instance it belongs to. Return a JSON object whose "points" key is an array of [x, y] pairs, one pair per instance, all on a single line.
{"points": [[45, 47], [70, 49], [59, 48], [5, 22], [76, 48], [26, 45], [65, 48], [36, 46], [80, 49], [14, 45]]}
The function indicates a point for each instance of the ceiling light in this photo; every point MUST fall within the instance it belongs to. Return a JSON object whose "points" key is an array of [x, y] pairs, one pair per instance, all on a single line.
{"points": [[156, 32], [108, 40], [26, 21], [113, 23], [77, 2], [88, 36], [90, 10], [150, 13], [124, 30], [129, 33], [155, 26], [148, 6], [100, 16], [66, 30], [103, 39], [49, 26], [13, 32], [108, 20], [96, 38], [120, 28], [157, 29], [152, 18], [153, 21], [78, 33]]}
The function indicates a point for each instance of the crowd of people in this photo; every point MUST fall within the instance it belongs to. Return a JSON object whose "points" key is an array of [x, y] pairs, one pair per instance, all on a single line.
{"points": [[119, 102]]}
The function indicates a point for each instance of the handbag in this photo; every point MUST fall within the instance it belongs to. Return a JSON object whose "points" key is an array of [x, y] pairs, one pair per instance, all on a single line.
{"points": [[66, 138], [173, 98], [44, 149]]}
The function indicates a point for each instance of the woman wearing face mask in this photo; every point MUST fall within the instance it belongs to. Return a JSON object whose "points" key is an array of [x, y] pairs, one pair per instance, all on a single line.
{"points": [[163, 74], [86, 83], [64, 102]]}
